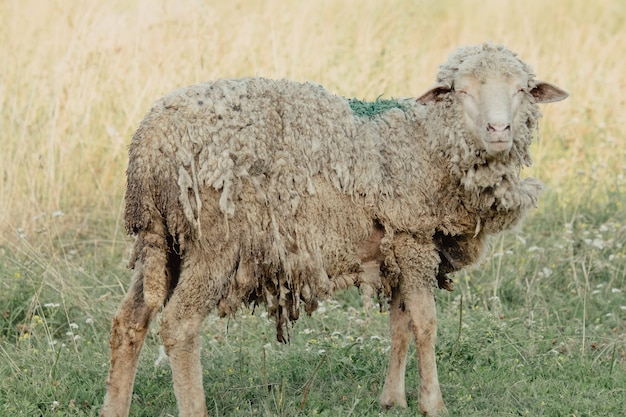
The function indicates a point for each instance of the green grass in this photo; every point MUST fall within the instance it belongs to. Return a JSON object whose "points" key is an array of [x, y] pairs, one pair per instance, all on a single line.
{"points": [[537, 329]]}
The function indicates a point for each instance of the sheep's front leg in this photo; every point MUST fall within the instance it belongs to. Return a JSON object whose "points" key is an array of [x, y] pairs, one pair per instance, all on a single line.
{"points": [[180, 328], [399, 319], [418, 262], [421, 307], [128, 333]]}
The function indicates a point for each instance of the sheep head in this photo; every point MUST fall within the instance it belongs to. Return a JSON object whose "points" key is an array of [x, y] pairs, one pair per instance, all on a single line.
{"points": [[495, 92]]}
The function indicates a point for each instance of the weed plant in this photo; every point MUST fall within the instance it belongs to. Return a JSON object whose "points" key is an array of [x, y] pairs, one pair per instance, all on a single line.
{"points": [[537, 329]]}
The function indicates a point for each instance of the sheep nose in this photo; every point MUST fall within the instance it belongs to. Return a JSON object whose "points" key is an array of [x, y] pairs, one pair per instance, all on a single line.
{"points": [[498, 127]]}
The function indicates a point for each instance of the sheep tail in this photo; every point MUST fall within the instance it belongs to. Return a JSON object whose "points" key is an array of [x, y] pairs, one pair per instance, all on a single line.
{"points": [[150, 258]]}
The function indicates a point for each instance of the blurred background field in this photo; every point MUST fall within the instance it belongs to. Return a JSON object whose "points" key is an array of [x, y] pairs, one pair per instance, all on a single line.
{"points": [[539, 328]]}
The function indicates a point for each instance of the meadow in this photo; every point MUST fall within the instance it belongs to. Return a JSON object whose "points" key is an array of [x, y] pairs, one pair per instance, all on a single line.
{"points": [[537, 329]]}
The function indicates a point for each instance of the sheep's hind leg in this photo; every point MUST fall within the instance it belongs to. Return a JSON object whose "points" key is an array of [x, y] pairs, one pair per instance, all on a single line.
{"points": [[128, 333], [180, 328], [394, 389]]}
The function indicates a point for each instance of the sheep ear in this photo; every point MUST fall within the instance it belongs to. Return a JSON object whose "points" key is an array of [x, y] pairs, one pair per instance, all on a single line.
{"points": [[434, 94], [548, 93]]}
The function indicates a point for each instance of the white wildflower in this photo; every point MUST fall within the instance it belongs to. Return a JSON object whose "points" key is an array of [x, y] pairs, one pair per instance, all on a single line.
{"points": [[598, 243], [58, 213], [546, 272]]}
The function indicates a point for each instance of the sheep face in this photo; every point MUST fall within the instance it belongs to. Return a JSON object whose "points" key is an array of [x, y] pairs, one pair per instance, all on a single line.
{"points": [[490, 108], [496, 95], [492, 105]]}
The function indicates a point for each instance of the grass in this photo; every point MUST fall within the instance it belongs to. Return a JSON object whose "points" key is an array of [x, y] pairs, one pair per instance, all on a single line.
{"points": [[538, 329]]}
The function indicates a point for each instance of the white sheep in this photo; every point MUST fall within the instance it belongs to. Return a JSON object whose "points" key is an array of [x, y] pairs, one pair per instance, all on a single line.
{"points": [[252, 190]]}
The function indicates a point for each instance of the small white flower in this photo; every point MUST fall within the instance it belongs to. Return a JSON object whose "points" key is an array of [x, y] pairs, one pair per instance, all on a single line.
{"points": [[615, 290], [51, 305], [89, 320], [73, 326], [58, 213], [598, 243], [546, 272]]}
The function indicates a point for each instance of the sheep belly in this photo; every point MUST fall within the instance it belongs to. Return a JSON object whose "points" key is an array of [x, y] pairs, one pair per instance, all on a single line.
{"points": [[266, 255]]}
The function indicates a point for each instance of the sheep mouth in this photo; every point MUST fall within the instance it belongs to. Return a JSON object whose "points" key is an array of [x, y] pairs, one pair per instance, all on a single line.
{"points": [[495, 147]]}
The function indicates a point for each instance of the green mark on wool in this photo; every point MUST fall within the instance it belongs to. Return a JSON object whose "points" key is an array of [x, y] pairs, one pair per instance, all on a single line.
{"points": [[363, 108]]}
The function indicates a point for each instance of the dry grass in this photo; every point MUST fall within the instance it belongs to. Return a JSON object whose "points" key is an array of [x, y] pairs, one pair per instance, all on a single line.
{"points": [[76, 77]]}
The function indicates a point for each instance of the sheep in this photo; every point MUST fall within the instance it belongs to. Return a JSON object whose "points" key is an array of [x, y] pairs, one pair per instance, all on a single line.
{"points": [[249, 191]]}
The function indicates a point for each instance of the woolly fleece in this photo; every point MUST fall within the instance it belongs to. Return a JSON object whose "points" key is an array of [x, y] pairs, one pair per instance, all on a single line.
{"points": [[264, 191]]}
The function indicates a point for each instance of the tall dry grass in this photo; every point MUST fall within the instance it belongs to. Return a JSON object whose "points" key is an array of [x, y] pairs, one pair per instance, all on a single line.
{"points": [[77, 76]]}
